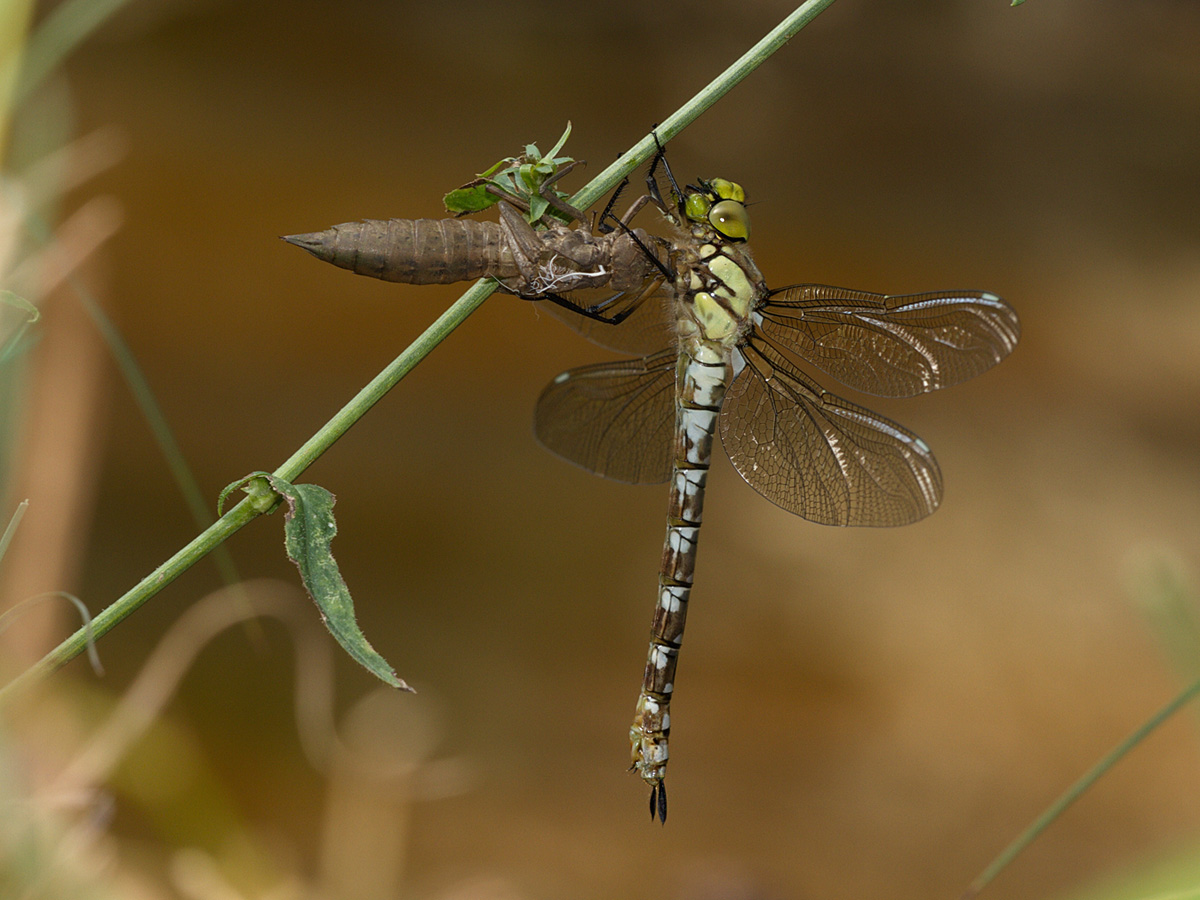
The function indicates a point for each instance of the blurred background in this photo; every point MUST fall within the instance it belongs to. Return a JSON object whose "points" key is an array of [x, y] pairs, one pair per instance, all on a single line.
{"points": [[859, 712]]}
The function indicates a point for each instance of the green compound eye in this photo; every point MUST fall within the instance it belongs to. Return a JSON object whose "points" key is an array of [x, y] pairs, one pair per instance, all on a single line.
{"points": [[727, 190], [697, 206], [730, 219]]}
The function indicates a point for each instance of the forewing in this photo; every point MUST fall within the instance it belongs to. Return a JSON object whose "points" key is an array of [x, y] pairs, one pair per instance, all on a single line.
{"points": [[891, 346], [615, 419], [647, 325], [820, 456]]}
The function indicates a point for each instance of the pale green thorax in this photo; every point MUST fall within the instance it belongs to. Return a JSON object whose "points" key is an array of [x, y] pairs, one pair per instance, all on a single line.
{"points": [[721, 286]]}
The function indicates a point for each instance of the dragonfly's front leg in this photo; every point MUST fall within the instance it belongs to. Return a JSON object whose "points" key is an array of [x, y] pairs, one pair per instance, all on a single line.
{"points": [[652, 182]]}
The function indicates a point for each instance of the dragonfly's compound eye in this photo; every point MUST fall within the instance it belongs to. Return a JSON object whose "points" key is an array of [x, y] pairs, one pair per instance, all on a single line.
{"points": [[730, 219], [696, 206], [727, 190]]}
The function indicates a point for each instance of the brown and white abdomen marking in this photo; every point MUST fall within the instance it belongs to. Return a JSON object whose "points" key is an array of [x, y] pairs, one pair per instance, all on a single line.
{"points": [[700, 389], [720, 294]]}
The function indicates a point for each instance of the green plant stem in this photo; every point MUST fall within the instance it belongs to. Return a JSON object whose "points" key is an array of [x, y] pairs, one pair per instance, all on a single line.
{"points": [[413, 354], [135, 380], [1075, 791], [11, 528], [183, 560], [243, 512], [690, 111], [470, 301]]}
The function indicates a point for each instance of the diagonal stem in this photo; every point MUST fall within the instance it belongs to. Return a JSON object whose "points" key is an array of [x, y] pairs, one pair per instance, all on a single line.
{"points": [[1077, 790], [324, 438]]}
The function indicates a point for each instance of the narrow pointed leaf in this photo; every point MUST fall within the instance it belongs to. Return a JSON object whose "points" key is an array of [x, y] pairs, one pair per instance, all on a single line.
{"points": [[308, 533], [562, 140]]}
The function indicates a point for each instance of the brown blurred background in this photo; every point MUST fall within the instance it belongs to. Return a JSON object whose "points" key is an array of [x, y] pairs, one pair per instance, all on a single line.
{"points": [[859, 712]]}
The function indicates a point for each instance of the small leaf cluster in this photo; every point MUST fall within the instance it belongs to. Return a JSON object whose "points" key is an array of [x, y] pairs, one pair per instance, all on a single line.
{"points": [[523, 179]]}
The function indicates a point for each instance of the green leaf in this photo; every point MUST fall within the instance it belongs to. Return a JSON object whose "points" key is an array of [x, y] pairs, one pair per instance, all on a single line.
{"points": [[537, 208], [562, 140], [530, 177], [308, 529], [521, 179], [507, 160], [257, 485], [469, 199]]}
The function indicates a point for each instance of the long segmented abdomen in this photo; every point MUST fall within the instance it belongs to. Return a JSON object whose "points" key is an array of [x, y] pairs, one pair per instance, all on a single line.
{"points": [[414, 251], [700, 393]]}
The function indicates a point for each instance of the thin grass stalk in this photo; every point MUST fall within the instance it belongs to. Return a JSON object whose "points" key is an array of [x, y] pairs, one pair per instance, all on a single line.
{"points": [[1078, 789]]}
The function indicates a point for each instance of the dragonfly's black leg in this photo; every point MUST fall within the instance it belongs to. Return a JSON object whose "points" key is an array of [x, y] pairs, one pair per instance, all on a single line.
{"points": [[658, 263], [602, 223], [661, 157], [651, 180], [595, 312]]}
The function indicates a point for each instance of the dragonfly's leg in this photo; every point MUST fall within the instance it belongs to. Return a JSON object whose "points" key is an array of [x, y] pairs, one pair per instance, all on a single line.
{"points": [[602, 222], [634, 208], [655, 193], [660, 156], [658, 263], [676, 193], [594, 312]]}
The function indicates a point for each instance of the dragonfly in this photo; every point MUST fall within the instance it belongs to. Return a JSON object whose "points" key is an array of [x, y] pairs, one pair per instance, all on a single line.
{"points": [[714, 350]]}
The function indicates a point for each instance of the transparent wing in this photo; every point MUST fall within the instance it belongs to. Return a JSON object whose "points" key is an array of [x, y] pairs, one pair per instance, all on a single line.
{"points": [[648, 325], [820, 456], [615, 419], [891, 346]]}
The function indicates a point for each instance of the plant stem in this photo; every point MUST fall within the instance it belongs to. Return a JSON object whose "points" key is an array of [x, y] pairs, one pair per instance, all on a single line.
{"points": [[1075, 791], [690, 111], [413, 354], [470, 301], [183, 560]]}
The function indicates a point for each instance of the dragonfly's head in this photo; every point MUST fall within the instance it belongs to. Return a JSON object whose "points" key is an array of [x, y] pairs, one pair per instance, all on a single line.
{"points": [[719, 204]]}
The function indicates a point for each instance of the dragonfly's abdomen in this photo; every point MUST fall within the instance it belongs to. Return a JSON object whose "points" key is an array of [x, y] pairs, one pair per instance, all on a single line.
{"points": [[414, 251], [701, 383]]}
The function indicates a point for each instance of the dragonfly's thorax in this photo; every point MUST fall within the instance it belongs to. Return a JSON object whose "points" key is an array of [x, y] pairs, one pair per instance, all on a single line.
{"points": [[718, 286]]}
